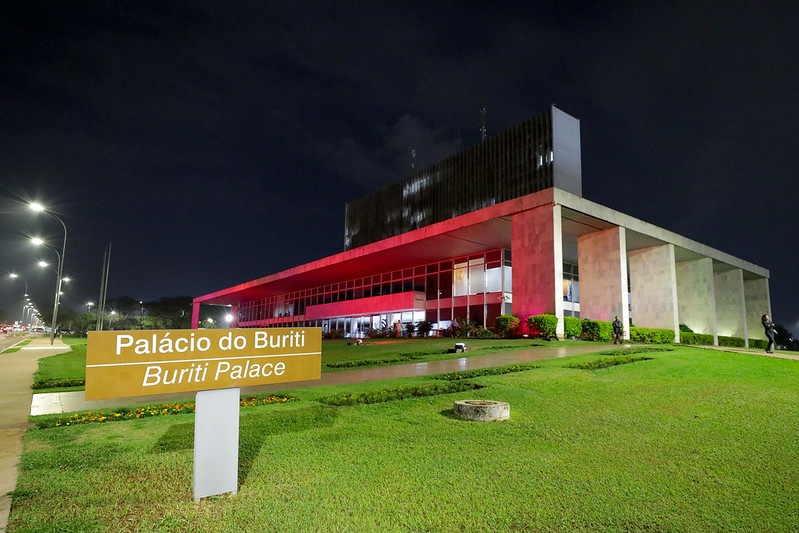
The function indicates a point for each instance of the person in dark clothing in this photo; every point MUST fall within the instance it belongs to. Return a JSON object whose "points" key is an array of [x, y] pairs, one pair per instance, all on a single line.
{"points": [[768, 325], [618, 331]]}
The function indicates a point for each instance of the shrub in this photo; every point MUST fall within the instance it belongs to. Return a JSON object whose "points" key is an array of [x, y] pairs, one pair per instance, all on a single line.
{"points": [[495, 371], [399, 393], [606, 362], [58, 383], [424, 328], [732, 342], [506, 325], [652, 335], [699, 339], [465, 328], [572, 327], [596, 330], [636, 349], [545, 325], [482, 333], [758, 344], [372, 362], [685, 328]]}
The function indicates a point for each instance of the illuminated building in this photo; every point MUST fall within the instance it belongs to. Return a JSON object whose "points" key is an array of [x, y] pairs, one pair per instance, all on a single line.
{"points": [[501, 227]]}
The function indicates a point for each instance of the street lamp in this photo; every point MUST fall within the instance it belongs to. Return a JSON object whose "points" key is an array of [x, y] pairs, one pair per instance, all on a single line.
{"points": [[15, 276], [40, 207]]}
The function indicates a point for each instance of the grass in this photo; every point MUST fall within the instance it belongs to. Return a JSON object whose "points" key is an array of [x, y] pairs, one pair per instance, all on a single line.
{"points": [[72, 365], [66, 366], [16, 347], [690, 440]]}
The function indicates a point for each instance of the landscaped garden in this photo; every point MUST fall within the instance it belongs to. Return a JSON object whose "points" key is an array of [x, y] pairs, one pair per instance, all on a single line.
{"points": [[687, 439]]}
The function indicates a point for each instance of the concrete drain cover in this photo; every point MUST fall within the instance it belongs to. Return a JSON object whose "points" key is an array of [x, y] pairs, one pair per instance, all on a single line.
{"points": [[482, 410]]}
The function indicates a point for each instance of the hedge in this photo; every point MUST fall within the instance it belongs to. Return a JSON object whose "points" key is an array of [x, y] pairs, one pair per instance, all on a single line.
{"points": [[700, 339], [596, 330], [652, 335], [572, 327], [506, 325], [545, 326]]}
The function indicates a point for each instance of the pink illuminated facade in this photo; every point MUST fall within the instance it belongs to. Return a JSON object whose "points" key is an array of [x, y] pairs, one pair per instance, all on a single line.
{"points": [[546, 251]]}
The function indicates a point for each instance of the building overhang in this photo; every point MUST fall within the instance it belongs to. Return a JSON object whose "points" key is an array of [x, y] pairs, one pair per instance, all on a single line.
{"points": [[485, 229]]}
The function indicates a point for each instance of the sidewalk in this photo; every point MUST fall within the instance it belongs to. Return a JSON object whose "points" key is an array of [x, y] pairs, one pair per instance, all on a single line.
{"points": [[16, 376]]}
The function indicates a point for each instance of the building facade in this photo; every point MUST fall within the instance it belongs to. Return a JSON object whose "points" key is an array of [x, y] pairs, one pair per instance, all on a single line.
{"points": [[516, 238]]}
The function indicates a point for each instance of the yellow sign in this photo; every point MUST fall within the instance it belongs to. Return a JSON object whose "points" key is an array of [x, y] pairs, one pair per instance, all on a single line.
{"points": [[139, 363]]}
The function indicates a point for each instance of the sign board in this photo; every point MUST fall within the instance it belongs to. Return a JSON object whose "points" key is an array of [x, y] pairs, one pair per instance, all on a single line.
{"points": [[141, 363]]}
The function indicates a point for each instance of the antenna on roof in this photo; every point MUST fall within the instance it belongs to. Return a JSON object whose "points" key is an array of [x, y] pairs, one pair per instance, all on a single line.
{"points": [[483, 124], [413, 159]]}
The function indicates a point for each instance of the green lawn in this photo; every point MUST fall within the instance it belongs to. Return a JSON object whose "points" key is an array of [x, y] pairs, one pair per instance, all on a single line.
{"points": [[72, 365], [691, 440], [66, 366]]}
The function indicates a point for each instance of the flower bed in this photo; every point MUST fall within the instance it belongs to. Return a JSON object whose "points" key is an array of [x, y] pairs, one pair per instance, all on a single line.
{"points": [[132, 413]]}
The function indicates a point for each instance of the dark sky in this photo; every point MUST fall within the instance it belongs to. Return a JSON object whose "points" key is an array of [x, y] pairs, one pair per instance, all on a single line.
{"points": [[216, 142]]}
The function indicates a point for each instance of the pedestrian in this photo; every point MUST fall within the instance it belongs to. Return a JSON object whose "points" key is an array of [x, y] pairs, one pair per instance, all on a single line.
{"points": [[768, 325], [618, 331]]}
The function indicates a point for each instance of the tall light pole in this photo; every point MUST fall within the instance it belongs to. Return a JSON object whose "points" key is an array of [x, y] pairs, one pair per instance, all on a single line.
{"points": [[40, 207], [15, 276]]}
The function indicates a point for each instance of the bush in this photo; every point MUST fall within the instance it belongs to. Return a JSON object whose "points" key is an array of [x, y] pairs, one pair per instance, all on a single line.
{"points": [[424, 328], [399, 393], [652, 335], [58, 383], [482, 333], [544, 326], [506, 325], [732, 342], [758, 344], [493, 371], [596, 330], [685, 328], [699, 339], [606, 362], [372, 362], [572, 327], [465, 328]]}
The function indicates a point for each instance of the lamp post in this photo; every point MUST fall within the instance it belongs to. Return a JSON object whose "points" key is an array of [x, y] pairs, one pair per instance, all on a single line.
{"points": [[40, 207], [15, 276]]}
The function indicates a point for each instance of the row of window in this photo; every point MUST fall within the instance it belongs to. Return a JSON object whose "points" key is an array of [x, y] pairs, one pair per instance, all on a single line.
{"points": [[477, 274]]}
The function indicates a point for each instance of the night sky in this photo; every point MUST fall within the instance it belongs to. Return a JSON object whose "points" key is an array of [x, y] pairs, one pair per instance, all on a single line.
{"points": [[212, 143]]}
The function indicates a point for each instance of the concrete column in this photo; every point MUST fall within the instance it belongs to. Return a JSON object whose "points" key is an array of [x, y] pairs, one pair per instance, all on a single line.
{"points": [[653, 288], [696, 296], [537, 248], [758, 303], [602, 260], [731, 304]]}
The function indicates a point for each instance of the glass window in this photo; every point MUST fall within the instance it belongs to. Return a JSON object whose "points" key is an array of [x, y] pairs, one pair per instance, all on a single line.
{"points": [[460, 280]]}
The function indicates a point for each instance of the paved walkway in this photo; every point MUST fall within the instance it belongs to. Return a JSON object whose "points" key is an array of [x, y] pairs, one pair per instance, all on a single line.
{"points": [[16, 376]]}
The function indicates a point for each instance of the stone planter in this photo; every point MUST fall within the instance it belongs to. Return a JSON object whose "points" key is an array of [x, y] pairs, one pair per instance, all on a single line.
{"points": [[482, 410]]}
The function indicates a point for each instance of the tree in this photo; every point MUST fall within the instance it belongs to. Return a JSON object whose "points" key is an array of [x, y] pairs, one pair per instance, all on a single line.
{"points": [[170, 312], [784, 339]]}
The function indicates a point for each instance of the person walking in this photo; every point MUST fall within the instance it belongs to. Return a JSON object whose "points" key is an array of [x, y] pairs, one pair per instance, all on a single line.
{"points": [[618, 331], [768, 325]]}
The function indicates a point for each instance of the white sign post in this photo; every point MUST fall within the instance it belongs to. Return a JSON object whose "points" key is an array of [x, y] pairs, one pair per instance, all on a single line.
{"points": [[216, 442]]}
